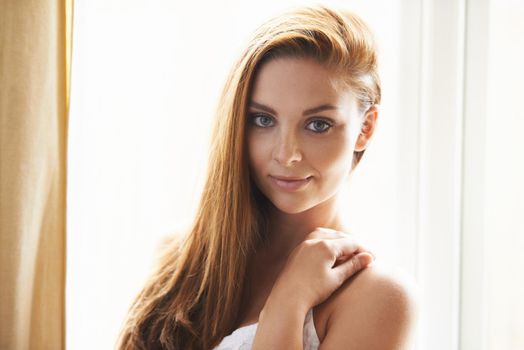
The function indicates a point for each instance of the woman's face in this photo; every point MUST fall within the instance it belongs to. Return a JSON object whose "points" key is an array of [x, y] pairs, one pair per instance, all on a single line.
{"points": [[301, 128]]}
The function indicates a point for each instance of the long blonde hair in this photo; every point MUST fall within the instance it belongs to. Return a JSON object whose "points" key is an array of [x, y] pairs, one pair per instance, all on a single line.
{"points": [[193, 298]]}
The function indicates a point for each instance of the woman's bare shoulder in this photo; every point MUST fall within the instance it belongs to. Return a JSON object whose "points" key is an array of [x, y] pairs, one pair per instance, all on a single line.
{"points": [[168, 240], [176, 236], [376, 308], [170, 243]]}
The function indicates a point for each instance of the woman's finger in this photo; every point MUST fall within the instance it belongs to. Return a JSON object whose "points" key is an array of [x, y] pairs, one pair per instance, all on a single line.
{"points": [[353, 265], [327, 233], [344, 247]]}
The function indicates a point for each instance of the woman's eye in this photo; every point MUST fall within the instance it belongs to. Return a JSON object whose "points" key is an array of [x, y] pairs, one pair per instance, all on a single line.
{"points": [[319, 126], [262, 120]]}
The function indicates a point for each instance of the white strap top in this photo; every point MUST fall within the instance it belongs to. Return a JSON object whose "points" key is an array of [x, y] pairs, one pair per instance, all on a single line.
{"points": [[242, 338]]}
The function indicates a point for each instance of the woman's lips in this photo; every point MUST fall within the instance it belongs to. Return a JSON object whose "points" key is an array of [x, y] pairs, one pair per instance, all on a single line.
{"points": [[290, 185]]}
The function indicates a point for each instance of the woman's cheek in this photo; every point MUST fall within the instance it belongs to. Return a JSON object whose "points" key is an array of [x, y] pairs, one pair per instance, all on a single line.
{"points": [[257, 152], [328, 154]]}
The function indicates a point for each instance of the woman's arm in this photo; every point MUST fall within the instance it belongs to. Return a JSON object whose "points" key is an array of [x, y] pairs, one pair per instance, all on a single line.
{"points": [[281, 323], [376, 310]]}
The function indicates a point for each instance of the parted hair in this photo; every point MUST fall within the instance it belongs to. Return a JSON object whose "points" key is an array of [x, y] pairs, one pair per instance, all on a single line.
{"points": [[192, 299]]}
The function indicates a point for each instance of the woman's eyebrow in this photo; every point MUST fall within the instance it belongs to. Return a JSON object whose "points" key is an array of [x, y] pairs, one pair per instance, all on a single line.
{"points": [[320, 108], [317, 109]]}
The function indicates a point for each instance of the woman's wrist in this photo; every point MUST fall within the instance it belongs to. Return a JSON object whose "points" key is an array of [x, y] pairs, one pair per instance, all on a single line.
{"points": [[282, 302]]}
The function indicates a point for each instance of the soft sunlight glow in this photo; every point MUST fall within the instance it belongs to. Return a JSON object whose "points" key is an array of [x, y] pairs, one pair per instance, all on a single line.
{"points": [[146, 77]]}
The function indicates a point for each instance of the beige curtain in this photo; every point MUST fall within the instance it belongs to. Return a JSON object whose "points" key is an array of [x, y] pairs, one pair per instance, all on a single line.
{"points": [[34, 75]]}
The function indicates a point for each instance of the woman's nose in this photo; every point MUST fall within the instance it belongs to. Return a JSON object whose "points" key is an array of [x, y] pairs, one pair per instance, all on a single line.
{"points": [[287, 150]]}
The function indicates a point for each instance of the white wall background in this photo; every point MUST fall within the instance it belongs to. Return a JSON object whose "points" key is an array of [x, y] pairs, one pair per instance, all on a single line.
{"points": [[437, 193]]}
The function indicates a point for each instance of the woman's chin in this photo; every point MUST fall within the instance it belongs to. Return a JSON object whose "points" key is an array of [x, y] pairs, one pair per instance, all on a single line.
{"points": [[291, 207]]}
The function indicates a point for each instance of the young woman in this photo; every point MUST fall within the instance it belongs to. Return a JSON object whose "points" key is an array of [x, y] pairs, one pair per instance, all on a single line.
{"points": [[267, 263]]}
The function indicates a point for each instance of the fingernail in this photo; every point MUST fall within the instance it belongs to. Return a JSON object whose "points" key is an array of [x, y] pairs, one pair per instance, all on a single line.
{"points": [[365, 258]]}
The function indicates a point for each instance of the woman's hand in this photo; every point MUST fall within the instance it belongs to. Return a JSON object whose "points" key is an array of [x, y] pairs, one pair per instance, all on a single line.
{"points": [[312, 272], [319, 265]]}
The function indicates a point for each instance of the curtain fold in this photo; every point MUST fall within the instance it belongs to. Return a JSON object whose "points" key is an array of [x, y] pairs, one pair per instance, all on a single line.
{"points": [[34, 74]]}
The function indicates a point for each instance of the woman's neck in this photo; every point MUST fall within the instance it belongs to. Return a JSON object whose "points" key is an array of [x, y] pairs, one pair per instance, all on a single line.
{"points": [[286, 231]]}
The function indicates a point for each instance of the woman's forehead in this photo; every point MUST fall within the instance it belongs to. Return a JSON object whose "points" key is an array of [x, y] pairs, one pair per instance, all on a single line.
{"points": [[299, 81], [293, 73]]}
